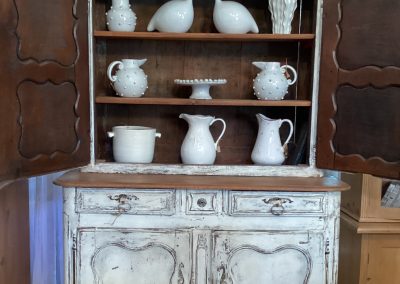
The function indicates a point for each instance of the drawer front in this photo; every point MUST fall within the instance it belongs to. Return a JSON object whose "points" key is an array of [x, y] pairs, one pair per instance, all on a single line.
{"points": [[202, 202], [270, 204], [111, 201]]}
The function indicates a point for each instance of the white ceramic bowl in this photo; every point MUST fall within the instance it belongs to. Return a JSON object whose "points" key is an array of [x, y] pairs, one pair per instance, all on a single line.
{"points": [[133, 144]]}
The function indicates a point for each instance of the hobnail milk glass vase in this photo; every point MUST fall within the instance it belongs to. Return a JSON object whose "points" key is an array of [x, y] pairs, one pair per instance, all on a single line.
{"points": [[120, 17], [282, 12]]}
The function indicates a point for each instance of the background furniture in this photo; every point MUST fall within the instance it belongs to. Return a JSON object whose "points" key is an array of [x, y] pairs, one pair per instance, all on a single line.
{"points": [[369, 233]]}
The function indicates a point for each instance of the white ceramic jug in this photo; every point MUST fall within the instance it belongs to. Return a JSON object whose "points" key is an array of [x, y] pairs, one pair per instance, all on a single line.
{"points": [[199, 147], [268, 149], [271, 83], [175, 16], [233, 18], [120, 17], [130, 80]]}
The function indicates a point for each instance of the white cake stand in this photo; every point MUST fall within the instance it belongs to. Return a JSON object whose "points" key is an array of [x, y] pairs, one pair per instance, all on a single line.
{"points": [[200, 87]]}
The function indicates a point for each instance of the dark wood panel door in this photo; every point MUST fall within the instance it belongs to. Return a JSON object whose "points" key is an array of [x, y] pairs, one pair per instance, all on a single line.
{"points": [[14, 236], [44, 101], [359, 100]]}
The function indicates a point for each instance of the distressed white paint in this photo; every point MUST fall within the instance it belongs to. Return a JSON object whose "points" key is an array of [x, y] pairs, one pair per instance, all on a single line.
{"points": [[114, 246], [178, 169], [315, 86]]}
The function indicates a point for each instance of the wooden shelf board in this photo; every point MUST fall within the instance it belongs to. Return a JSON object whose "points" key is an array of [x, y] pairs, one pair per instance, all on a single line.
{"points": [[76, 178], [204, 36], [213, 102]]}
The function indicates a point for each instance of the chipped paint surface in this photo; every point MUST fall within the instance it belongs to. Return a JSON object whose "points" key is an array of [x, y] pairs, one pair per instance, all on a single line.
{"points": [[205, 237], [224, 170]]}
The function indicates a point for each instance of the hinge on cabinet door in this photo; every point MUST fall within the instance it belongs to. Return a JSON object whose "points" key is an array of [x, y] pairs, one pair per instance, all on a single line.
{"points": [[327, 250]]}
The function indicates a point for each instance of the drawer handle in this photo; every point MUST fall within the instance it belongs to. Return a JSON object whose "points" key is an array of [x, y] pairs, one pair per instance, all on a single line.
{"points": [[277, 204], [123, 204]]}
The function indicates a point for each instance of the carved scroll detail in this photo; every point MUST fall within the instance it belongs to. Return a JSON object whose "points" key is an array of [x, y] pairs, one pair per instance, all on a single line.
{"points": [[148, 246], [227, 279], [58, 43]]}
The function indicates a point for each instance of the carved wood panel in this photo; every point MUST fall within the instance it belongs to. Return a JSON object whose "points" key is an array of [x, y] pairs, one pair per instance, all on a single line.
{"points": [[267, 257], [359, 118], [44, 86], [119, 256]]}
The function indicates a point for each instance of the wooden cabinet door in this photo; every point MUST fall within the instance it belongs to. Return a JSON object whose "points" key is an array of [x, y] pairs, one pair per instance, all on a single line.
{"points": [[44, 98], [359, 99], [133, 256], [268, 257]]}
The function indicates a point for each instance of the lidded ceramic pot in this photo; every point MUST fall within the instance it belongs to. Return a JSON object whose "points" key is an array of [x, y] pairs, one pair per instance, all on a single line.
{"points": [[120, 17], [129, 80], [133, 144]]}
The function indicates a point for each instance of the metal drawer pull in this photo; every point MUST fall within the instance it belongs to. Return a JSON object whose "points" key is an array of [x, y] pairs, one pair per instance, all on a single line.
{"points": [[277, 204], [123, 204]]}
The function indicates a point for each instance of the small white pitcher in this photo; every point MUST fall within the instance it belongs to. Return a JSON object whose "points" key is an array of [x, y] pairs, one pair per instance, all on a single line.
{"points": [[129, 80], [268, 149], [199, 147], [271, 83]]}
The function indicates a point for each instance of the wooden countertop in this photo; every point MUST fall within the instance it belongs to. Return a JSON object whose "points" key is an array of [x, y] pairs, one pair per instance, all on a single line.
{"points": [[76, 178]]}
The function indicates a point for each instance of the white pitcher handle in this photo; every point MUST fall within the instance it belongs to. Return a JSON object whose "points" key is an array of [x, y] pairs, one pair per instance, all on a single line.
{"points": [[110, 68], [222, 133], [291, 81], [291, 130]]}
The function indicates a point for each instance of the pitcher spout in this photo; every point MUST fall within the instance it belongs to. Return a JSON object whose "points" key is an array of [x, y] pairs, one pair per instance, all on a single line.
{"points": [[262, 118]]}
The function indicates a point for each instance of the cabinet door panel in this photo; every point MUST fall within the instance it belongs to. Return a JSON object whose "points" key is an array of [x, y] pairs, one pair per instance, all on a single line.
{"points": [[133, 256], [359, 118], [44, 86], [266, 257]]}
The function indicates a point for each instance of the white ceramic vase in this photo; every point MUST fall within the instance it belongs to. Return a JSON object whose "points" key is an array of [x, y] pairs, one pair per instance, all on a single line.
{"points": [[120, 17], [268, 149], [233, 18], [282, 12], [198, 147], [271, 83], [175, 16], [129, 80], [133, 144]]}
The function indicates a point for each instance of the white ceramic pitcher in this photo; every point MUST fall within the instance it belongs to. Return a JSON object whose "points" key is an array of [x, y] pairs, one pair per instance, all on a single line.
{"points": [[199, 147], [271, 83], [268, 149], [129, 80]]}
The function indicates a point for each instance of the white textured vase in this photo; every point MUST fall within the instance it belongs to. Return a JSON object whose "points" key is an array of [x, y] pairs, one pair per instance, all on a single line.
{"points": [[233, 18], [282, 12], [129, 80], [120, 17], [175, 16]]}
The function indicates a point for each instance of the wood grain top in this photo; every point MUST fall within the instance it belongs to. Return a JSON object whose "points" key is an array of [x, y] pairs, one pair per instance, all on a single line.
{"points": [[76, 178], [203, 36], [213, 102]]}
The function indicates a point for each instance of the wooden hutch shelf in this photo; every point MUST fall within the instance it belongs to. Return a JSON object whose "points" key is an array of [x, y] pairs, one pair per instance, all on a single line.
{"points": [[204, 36], [213, 102]]}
